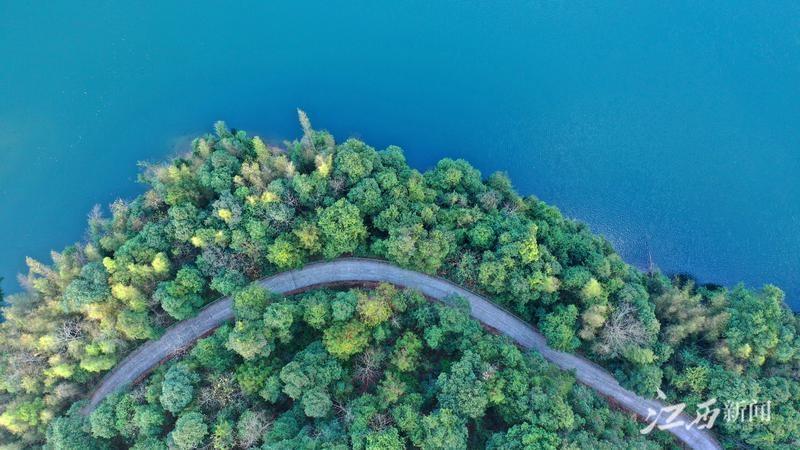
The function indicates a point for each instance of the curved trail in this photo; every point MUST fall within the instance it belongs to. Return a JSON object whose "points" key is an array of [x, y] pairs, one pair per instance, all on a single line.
{"points": [[183, 334]]}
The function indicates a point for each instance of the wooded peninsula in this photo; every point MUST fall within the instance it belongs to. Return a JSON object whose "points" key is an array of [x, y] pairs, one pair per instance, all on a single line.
{"points": [[371, 366]]}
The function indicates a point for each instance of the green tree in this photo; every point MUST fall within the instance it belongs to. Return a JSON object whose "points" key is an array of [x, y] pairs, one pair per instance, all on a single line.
{"points": [[755, 323], [354, 160], [90, 287], [367, 196], [252, 375], [149, 443], [66, 433], [102, 421], [190, 430], [124, 412], [316, 310], [461, 390], [223, 436], [279, 318], [407, 352], [22, 416], [177, 390], [443, 430], [559, 328], [285, 253], [345, 339], [417, 248], [149, 419], [343, 305], [388, 439], [375, 309], [228, 281], [316, 403], [342, 228], [308, 376], [251, 302], [248, 340], [211, 352], [135, 325], [183, 296], [524, 436]]}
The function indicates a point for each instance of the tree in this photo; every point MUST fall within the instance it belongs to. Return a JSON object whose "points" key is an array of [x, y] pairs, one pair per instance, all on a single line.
{"points": [[66, 433], [645, 379], [354, 160], [308, 237], [279, 318], [148, 419], [251, 302], [222, 435], [481, 236], [183, 296], [124, 412], [190, 430], [375, 309], [443, 430], [367, 196], [417, 248], [135, 324], [622, 332], [250, 428], [90, 287], [310, 188], [211, 352], [344, 340], [559, 328], [316, 310], [682, 314], [285, 253], [461, 390], [529, 248], [524, 436], [21, 416], [185, 220], [308, 376], [493, 274], [316, 403], [387, 439], [455, 175], [407, 352], [177, 390], [343, 305], [102, 421], [248, 340], [218, 171], [755, 323], [228, 281], [149, 443], [342, 228]]}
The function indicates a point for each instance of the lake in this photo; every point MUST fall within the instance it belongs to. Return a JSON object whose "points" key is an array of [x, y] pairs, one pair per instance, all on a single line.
{"points": [[672, 128]]}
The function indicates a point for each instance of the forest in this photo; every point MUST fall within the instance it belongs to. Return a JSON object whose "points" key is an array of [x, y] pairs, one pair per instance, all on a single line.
{"points": [[374, 367], [383, 369]]}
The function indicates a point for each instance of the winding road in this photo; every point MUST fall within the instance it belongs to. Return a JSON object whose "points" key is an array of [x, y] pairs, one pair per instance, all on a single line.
{"points": [[185, 333]]}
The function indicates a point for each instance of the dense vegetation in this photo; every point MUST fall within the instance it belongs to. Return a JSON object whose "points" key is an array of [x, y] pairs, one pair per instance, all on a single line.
{"points": [[353, 369], [235, 209]]}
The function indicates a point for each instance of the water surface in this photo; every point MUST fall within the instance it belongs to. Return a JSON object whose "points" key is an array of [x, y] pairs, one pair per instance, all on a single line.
{"points": [[672, 129]]}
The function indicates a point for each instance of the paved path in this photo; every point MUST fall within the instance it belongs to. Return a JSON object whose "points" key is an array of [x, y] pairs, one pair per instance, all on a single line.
{"points": [[185, 333]]}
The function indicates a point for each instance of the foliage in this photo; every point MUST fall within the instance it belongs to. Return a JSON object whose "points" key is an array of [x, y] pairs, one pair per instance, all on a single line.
{"points": [[393, 393], [236, 209]]}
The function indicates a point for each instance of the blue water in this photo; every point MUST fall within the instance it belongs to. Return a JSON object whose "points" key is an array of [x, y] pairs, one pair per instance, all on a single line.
{"points": [[670, 127]]}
